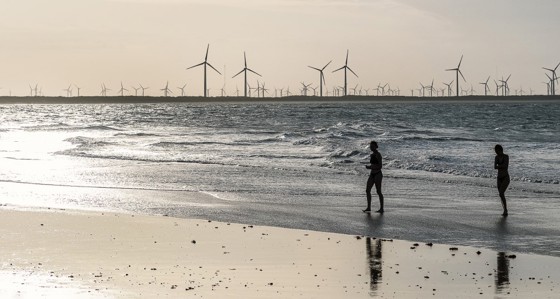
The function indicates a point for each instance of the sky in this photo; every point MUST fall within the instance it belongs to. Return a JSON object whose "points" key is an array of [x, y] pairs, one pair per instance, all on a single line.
{"points": [[55, 43]]}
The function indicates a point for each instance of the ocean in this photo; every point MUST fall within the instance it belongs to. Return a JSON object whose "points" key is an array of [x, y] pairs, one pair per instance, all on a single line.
{"points": [[296, 165]]}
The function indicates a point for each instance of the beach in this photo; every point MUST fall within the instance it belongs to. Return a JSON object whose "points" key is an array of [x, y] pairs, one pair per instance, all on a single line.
{"points": [[77, 254], [145, 200]]}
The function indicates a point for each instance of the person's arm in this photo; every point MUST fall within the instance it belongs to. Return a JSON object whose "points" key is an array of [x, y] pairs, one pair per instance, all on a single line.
{"points": [[504, 164]]}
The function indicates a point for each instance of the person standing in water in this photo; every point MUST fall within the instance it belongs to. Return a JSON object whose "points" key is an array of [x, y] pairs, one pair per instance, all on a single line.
{"points": [[501, 163], [375, 177]]}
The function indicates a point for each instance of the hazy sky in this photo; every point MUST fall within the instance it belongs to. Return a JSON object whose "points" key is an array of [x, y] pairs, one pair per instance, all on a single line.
{"points": [[402, 42]]}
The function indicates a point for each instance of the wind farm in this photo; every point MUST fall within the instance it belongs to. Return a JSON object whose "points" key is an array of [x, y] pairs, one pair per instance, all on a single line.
{"points": [[307, 91]]}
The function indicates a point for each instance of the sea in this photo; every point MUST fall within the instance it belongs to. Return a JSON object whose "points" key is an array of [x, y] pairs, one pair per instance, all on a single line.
{"points": [[296, 165]]}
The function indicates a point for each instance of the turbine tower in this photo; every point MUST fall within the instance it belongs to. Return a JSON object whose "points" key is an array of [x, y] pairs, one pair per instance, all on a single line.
{"points": [[182, 89], [448, 87], [205, 63], [486, 88], [458, 71], [505, 86], [68, 91], [121, 91], [553, 80], [166, 90], [346, 68], [244, 70], [143, 89], [321, 77]]}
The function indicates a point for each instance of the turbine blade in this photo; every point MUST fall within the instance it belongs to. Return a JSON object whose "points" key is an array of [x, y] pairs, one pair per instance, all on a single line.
{"points": [[238, 73], [245, 57], [206, 57], [195, 65], [315, 68], [250, 70], [214, 68], [352, 71], [347, 52], [460, 61], [557, 66], [461, 73], [326, 65], [338, 69]]}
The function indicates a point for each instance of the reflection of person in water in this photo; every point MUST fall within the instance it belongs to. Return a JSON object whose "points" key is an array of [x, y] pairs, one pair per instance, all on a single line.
{"points": [[502, 273], [501, 163], [375, 177], [374, 261]]}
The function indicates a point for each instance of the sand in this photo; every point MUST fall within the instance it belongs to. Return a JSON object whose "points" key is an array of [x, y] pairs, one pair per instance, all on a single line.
{"points": [[73, 254]]}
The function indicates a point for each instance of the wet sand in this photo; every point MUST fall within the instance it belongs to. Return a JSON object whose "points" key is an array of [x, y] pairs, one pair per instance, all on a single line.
{"points": [[58, 254]]}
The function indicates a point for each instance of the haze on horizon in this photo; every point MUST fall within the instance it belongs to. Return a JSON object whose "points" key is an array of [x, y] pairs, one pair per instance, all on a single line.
{"points": [[402, 42]]}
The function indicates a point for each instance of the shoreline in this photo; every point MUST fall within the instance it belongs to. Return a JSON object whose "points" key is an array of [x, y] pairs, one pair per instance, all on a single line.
{"points": [[113, 255], [290, 99]]}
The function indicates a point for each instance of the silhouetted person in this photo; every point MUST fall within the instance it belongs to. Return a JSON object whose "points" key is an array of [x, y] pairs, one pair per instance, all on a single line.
{"points": [[375, 177], [501, 163]]}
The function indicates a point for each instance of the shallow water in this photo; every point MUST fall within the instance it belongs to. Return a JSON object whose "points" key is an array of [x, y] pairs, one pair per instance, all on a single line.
{"points": [[296, 165]]}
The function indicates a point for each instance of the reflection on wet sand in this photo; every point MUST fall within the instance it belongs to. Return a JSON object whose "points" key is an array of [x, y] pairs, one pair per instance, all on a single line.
{"points": [[502, 273], [374, 255]]}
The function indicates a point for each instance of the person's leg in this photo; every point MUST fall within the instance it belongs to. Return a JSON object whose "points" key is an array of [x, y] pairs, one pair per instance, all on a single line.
{"points": [[368, 193], [502, 187], [378, 180]]}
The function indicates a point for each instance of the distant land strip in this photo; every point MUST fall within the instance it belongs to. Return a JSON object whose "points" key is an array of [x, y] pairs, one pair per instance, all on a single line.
{"points": [[288, 99]]}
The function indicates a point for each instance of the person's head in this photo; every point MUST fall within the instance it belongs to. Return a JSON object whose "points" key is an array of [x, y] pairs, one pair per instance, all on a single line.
{"points": [[373, 145], [498, 149]]}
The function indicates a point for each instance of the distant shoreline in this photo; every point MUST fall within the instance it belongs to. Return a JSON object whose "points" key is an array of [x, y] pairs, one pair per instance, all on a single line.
{"points": [[290, 99]]}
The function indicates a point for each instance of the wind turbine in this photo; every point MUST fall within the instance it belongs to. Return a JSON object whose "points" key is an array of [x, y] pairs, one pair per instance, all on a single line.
{"points": [[264, 89], [497, 87], [121, 91], [423, 92], [244, 70], [68, 91], [554, 78], [346, 68], [448, 87], [205, 63], [78, 88], [505, 86], [182, 89], [321, 77], [354, 89], [431, 87], [143, 89], [547, 87], [166, 90], [305, 88], [458, 71], [383, 89], [104, 90], [486, 88], [135, 90]]}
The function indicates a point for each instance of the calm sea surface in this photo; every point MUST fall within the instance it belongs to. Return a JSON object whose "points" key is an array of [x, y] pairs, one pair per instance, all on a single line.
{"points": [[296, 165]]}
